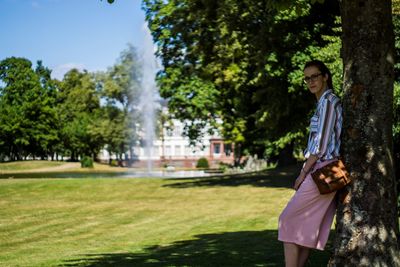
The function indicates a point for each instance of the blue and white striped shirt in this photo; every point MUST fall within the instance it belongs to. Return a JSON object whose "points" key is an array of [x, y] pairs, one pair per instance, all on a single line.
{"points": [[325, 128]]}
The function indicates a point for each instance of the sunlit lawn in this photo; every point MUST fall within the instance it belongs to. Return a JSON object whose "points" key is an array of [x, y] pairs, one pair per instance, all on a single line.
{"points": [[28, 165], [44, 166], [218, 221]]}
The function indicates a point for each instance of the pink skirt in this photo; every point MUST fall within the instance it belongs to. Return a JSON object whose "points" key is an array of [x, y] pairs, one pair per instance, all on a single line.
{"points": [[307, 218]]}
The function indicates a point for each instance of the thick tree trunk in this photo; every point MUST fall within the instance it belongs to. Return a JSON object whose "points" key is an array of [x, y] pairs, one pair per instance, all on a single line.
{"points": [[366, 230]]}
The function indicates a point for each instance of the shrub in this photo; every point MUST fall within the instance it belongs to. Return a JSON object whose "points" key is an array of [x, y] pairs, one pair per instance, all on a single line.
{"points": [[86, 162], [224, 166], [114, 163], [202, 163]]}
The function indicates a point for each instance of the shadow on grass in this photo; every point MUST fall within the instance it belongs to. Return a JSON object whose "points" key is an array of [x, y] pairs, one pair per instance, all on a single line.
{"points": [[246, 248], [281, 177]]}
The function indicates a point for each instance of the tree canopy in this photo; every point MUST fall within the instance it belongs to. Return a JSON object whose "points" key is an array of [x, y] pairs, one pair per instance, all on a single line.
{"points": [[241, 62], [27, 112]]}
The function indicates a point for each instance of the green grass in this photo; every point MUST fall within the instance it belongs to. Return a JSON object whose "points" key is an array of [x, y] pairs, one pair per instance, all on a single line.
{"points": [[28, 165], [218, 221]]}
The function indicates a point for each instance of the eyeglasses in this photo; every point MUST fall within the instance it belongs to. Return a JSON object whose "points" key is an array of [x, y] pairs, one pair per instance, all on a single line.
{"points": [[312, 78]]}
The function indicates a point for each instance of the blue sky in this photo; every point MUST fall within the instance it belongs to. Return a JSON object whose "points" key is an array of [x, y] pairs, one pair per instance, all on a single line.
{"points": [[87, 34]]}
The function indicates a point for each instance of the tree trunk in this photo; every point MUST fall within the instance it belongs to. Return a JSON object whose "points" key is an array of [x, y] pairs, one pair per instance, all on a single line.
{"points": [[130, 160], [286, 157], [237, 154], [366, 230]]}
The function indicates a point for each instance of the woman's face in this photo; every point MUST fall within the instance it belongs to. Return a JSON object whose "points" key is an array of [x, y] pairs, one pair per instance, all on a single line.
{"points": [[316, 82]]}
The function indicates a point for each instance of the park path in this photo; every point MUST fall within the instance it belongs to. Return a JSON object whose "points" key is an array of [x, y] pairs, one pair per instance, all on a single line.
{"points": [[65, 166]]}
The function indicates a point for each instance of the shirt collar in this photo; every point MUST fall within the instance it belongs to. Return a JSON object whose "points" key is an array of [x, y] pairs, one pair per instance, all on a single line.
{"points": [[327, 91]]}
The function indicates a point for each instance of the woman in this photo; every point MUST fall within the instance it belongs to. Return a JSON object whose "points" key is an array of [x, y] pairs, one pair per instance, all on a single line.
{"points": [[305, 222]]}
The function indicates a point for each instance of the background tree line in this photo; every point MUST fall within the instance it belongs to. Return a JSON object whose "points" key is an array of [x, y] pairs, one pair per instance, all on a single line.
{"points": [[41, 117]]}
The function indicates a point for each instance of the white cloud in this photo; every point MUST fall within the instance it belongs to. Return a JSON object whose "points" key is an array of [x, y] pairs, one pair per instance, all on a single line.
{"points": [[59, 71]]}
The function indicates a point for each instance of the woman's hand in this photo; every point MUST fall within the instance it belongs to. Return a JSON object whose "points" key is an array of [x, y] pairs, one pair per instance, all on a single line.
{"points": [[299, 180]]}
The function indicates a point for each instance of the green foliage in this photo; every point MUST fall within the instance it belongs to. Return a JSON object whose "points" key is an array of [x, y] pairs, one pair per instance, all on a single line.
{"points": [[273, 148], [396, 134], [202, 163], [86, 162], [28, 123], [79, 111], [190, 99], [120, 88], [114, 163], [247, 56]]}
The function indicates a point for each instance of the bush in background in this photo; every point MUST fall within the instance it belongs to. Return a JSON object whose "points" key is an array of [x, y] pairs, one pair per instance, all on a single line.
{"points": [[202, 163], [86, 162]]}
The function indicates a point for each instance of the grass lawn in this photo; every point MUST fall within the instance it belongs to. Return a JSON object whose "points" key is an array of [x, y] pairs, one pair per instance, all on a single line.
{"points": [[29, 165], [47, 167], [217, 221]]}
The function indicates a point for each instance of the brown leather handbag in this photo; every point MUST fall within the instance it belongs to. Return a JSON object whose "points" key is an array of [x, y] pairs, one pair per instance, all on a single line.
{"points": [[331, 177]]}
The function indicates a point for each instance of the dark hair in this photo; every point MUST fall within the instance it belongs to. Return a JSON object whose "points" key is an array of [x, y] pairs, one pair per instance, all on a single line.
{"points": [[322, 68]]}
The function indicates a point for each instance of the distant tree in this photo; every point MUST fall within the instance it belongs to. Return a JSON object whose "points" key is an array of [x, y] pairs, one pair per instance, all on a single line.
{"points": [[50, 139], [27, 115], [120, 88], [79, 109]]}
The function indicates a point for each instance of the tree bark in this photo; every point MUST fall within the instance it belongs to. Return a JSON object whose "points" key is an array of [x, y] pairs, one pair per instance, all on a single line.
{"points": [[367, 229]]}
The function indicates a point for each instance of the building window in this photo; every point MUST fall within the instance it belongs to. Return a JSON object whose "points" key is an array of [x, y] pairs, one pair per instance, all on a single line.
{"points": [[228, 149], [178, 151], [217, 148], [156, 151], [177, 131], [168, 150], [170, 132]]}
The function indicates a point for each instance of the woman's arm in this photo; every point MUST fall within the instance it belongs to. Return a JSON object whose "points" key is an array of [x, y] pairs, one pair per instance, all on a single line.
{"points": [[305, 170], [309, 164]]}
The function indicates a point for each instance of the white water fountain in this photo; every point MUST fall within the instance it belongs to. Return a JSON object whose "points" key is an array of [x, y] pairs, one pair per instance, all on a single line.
{"points": [[149, 103], [149, 95]]}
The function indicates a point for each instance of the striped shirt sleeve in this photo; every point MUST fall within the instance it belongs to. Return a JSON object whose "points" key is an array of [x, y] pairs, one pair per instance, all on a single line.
{"points": [[325, 128]]}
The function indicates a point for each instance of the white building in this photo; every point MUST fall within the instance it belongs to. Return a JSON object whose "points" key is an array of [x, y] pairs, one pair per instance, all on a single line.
{"points": [[176, 150]]}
